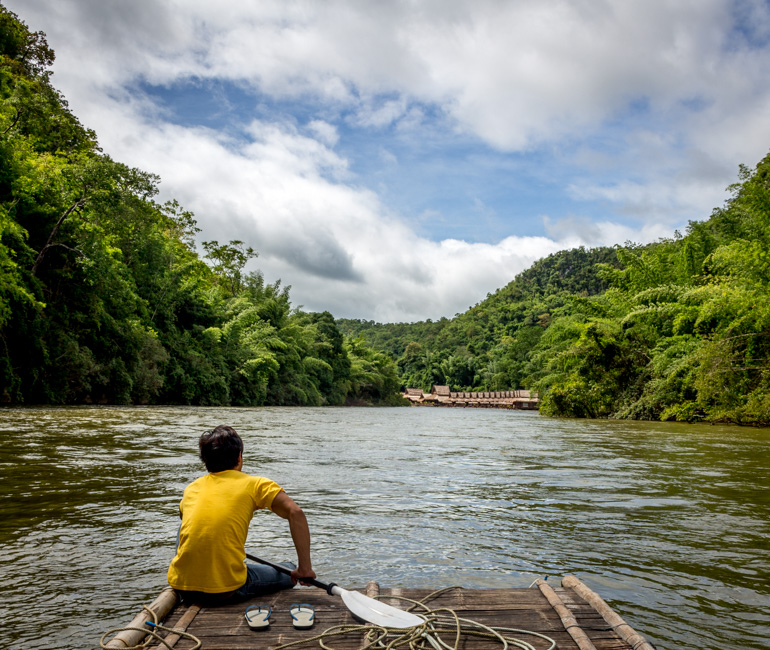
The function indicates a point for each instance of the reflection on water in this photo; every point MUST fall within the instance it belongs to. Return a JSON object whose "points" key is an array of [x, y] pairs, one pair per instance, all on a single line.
{"points": [[669, 523]]}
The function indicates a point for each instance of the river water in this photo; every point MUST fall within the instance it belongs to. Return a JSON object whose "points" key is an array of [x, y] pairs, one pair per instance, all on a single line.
{"points": [[669, 523]]}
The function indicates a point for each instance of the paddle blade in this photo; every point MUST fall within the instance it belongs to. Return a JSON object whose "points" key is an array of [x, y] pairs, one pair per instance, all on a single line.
{"points": [[373, 611]]}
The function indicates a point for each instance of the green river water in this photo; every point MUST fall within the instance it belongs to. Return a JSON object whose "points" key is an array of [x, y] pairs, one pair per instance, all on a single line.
{"points": [[669, 523]]}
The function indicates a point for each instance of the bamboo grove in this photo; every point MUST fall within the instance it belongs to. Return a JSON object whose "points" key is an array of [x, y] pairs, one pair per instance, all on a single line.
{"points": [[103, 297]]}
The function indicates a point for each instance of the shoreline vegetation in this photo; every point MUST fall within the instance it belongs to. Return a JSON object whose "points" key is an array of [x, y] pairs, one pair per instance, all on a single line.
{"points": [[676, 330], [104, 299]]}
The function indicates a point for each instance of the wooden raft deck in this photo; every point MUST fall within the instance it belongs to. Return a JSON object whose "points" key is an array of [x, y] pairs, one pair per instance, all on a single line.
{"points": [[224, 627]]}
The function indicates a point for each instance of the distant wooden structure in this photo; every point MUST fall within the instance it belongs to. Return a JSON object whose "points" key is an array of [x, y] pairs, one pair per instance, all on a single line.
{"points": [[572, 616], [443, 396]]}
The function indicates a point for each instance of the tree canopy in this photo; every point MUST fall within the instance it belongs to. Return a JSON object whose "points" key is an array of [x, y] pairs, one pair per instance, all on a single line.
{"points": [[103, 296], [674, 330]]}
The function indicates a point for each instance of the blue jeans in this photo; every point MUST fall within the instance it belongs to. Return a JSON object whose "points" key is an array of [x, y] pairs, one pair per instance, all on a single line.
{"points": [[263, 579], [260, 580]]}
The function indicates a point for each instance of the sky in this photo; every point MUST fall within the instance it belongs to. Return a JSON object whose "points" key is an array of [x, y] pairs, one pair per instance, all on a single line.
{"points": [[397, 160]]}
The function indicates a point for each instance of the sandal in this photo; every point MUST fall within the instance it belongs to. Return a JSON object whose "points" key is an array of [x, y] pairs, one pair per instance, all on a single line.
{"points": [[258, 616], [303, 616]]}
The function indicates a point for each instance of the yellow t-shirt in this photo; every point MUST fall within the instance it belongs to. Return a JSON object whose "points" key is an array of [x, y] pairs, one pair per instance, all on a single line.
{"points": [[216, 512]]}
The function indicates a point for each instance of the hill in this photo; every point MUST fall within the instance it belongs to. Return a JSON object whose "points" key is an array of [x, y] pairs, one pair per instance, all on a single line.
{"points": [[104, 297], [676, 330], [485, 348]]}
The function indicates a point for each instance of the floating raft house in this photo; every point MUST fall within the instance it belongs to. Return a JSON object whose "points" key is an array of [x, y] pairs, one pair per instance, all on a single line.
{"points": [[443, 396], [567, 617]]}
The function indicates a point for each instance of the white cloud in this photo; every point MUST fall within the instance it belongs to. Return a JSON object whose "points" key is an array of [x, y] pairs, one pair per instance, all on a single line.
{"points": [[656, 202], [574, 231], [680, 95], [326, 133], [513, 73], [336, 245]]}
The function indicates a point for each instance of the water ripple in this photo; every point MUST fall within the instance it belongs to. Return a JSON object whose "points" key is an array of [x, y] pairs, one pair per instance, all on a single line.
{"points": [[669, 523]]}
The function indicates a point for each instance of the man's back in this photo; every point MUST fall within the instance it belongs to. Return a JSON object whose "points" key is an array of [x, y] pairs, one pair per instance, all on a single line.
{"points": [[216, 511]]}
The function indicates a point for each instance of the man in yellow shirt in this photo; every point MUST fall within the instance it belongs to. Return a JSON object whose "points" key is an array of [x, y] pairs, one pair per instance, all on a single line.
{"points": [[216, 510]]}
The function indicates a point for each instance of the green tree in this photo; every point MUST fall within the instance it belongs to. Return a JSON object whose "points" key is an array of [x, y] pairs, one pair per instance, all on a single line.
{"points": [[228, 261]]}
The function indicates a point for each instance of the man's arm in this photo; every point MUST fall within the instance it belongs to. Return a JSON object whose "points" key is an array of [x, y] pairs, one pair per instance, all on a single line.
{"points": [[283, 505]]}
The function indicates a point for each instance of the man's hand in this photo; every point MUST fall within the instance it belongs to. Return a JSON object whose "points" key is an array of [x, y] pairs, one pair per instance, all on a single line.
{"points": [[299, 573]]}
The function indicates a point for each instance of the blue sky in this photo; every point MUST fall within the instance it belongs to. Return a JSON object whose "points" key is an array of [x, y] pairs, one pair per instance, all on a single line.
{"points": [[447, 184], [398, 160]]}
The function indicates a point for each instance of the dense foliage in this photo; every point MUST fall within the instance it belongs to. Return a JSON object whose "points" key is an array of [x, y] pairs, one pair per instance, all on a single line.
{"points": [[488, 347], [684, 331], [103, 297], [675, 330]]}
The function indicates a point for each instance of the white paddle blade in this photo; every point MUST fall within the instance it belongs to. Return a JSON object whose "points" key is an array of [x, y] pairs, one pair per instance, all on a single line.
{"points": [[373, 611]]}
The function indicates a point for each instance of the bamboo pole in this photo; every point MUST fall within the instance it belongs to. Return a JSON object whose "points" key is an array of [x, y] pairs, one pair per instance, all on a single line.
{"points": [[181, 626], [568, 620], [162, 605], [372, 591], [624, 630]]}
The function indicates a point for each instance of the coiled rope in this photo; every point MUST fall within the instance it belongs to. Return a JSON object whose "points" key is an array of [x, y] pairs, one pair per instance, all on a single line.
{"points": [[428, 636], [152, 634]]}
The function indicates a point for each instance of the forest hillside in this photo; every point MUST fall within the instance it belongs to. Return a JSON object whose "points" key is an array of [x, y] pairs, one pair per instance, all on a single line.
{"points": [[103, 296], [674, 330]]}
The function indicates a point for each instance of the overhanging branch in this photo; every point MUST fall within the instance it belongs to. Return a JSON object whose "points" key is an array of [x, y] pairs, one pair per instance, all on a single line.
{"points": [[49, 244]]}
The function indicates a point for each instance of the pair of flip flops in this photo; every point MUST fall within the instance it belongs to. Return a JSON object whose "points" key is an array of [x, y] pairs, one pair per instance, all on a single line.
{"points": [[302, 616]]}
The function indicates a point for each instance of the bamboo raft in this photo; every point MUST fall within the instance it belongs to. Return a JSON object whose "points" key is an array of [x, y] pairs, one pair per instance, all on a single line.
{"points": [[572, 615]]}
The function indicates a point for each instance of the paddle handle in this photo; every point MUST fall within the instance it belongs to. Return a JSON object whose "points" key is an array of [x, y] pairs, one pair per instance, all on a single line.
{"points": [[316, 583]]}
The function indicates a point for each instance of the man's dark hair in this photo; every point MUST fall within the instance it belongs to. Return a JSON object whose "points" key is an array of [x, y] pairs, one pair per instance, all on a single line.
{"points": [[220, 448]]}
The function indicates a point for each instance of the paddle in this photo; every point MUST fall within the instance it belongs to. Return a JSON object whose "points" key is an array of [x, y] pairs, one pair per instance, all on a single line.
{"points": [[368, 609]]}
